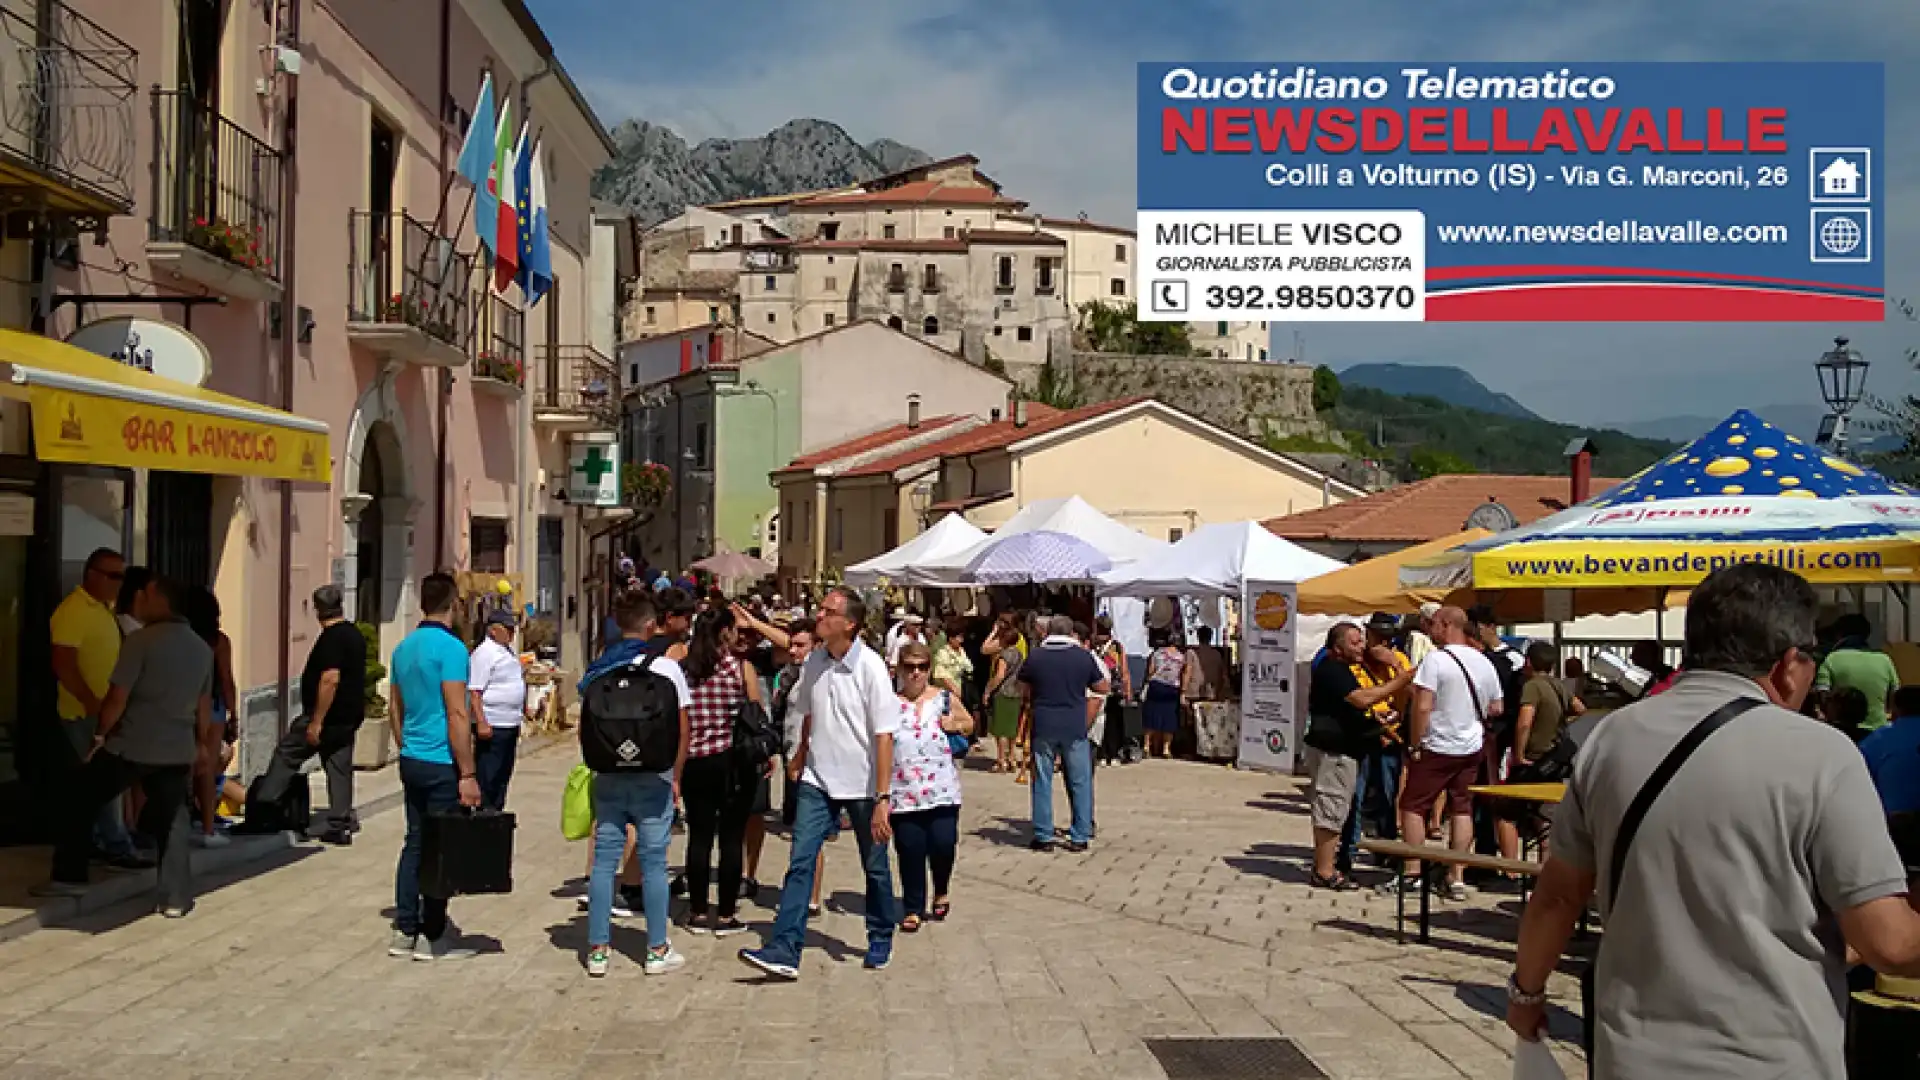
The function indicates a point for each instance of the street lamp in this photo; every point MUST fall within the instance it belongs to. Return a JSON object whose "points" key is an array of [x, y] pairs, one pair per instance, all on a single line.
{"points": [[1843, 382]]}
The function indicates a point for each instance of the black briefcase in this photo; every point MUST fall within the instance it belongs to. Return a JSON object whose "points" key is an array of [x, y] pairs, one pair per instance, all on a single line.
{"points": [[466, 852]]}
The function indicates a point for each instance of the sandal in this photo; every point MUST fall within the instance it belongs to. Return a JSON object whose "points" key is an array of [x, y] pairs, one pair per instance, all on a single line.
{"points": [[1337, 883], [941, 909], [910, 924]]}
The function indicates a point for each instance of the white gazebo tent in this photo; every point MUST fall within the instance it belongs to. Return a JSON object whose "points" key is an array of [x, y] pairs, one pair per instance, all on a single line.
{"points": [[1217, 560], [1072, 515], [948, 536]]}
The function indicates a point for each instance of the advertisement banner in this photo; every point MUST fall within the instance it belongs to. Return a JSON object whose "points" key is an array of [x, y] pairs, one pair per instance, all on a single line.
{"points": [[1267, 732], [1691, 192]]}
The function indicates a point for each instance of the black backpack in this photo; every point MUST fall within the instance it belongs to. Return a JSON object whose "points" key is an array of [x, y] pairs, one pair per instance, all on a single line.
{"points": [[756, 739], [630, 721]]}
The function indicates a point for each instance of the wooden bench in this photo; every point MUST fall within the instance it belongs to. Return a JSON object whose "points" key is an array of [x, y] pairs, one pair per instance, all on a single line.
{"points": [[1440, 856]]}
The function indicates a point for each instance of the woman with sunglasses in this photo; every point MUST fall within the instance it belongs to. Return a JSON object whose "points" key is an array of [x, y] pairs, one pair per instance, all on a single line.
{"points": [[926, 787]]}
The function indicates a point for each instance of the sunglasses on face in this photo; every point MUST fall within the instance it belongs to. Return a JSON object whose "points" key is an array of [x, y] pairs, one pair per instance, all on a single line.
{"points": [[916, 666]]}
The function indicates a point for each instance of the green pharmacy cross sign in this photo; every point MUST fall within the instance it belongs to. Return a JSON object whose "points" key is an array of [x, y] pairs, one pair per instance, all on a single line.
{"points": [[593, 474]]}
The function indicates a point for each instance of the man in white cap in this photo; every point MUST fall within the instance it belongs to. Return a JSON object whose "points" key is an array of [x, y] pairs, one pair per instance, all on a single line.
{"points": [[910, 629], [1418, 643]]}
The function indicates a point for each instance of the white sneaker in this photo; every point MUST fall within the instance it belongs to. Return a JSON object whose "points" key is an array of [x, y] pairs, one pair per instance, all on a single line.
{"points": [[598, 961], [442, 948], [212, 840], [402, 945], [663, 963]]}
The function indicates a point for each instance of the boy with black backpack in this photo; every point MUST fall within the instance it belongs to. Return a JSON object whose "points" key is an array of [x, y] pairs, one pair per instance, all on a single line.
{"points": [[633, 735]]}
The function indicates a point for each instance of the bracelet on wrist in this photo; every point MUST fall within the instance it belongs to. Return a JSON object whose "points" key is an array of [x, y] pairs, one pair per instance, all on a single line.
{"points": [[1517, 996]]}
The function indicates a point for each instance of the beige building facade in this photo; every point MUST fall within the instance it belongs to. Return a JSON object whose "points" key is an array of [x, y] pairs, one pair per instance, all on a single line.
{"points": [[1139, 461]]}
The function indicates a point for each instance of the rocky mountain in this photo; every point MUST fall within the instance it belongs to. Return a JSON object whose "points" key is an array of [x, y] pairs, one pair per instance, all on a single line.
{"points": [[1448, 384], [656, 174]]}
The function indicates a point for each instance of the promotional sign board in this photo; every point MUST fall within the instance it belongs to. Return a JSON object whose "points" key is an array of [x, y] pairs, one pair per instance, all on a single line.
{"points": [[162, 348], [593, 471], [1267, 733], [1371, 192]]}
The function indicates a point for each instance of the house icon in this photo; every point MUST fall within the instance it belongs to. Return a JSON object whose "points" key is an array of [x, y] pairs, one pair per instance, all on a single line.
{"points": [[1840, 177]]}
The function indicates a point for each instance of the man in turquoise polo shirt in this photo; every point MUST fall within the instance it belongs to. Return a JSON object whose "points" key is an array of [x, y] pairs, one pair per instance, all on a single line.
{"points": [[431, 726]]}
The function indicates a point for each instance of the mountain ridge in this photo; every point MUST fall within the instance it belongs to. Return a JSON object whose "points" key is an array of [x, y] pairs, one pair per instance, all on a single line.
{"points": [[1444, 382], [655, 174]]}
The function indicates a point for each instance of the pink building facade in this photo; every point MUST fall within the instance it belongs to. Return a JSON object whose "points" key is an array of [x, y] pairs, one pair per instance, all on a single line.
{"points": [[336, 282]]}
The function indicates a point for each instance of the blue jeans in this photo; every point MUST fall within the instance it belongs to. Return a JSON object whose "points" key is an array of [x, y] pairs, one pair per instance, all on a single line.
{"points": [[1075, 757], [644, 801], [814, 817], [425, 786], [493, 765], [1379, 773]]}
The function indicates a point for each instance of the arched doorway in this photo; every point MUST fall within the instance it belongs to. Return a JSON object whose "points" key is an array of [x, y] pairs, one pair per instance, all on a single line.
{"points": [[377, 509], [380, 454]]}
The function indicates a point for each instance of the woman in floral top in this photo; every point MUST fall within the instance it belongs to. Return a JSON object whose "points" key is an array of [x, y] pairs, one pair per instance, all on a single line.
{"points": [[926, 787]]}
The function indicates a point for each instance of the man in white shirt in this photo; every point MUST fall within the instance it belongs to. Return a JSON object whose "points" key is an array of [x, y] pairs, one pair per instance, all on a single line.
{"points": [[844, 764], [1455, 692], [498, 685], [910, 629]]}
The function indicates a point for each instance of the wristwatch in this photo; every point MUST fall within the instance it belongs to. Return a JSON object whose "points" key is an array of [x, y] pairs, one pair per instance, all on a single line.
{"points": [[1517, 996]]}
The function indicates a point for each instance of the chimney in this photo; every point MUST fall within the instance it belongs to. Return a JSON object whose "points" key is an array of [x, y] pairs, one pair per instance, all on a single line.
{"points": [[1019, 412], [913, 412], [1580, 455]]}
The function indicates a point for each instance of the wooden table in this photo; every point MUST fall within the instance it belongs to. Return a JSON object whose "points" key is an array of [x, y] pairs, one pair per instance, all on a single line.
{"points": [[1540, 793]]}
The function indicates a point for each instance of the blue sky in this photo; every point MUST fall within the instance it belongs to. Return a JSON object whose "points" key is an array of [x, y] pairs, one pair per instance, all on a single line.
{"points": [[1043, 92]]}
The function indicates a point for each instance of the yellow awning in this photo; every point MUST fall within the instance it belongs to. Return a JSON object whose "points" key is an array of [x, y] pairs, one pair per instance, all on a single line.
{"points": [[91, 410]]}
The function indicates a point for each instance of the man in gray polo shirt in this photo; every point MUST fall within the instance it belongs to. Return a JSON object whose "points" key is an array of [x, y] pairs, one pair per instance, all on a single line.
{"points": [[157, 702], [1763, 859]]}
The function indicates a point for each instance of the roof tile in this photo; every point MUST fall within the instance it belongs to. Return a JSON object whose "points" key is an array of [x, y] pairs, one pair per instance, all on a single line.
{"points": [[1428, 509], [870, 442], [934, 192], [1001, 433]]}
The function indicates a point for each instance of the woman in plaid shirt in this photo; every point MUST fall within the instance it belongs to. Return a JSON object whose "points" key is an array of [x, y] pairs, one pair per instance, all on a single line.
{"points": [[718, 799]]}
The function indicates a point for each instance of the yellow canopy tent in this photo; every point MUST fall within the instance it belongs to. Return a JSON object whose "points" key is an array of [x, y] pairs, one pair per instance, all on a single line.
{"points": [[1375, 585]]}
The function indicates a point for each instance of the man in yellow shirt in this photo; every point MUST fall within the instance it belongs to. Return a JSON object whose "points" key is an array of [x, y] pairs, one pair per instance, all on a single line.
{"points": [[86, 646]]}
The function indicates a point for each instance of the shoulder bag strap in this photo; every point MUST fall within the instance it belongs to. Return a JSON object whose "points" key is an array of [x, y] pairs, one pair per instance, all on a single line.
{"points": [[1657, 783], [1479, 713]]}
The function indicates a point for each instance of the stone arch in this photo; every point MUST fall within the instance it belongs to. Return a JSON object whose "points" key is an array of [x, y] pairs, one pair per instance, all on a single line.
{"points": [[378, 506]]}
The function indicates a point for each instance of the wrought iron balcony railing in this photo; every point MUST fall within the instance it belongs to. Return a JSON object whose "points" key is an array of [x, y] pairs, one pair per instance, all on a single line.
{"points": [[502, 341], [577, 380], [215, 185], [400, 270], [66, 105]]}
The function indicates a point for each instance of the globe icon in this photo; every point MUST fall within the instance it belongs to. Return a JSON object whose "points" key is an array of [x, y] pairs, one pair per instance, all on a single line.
{"points": [[1839, 235]]}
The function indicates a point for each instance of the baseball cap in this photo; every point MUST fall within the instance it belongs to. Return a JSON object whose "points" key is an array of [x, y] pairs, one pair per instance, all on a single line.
{"points": [[502, 618], [1428, 609], [1383, 622]]}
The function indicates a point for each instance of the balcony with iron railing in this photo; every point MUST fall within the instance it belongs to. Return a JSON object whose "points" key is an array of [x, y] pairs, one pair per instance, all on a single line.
{"points": [[66, 113], [408, 290], [577, 389], [500, 361], [216, 200]]}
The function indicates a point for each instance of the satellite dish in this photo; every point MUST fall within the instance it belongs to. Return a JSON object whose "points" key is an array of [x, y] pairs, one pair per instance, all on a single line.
{"points": [[1492, 517]]}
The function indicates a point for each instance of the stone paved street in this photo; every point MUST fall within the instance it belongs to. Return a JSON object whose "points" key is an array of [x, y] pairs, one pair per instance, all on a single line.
{"points": [[1190, 918]]}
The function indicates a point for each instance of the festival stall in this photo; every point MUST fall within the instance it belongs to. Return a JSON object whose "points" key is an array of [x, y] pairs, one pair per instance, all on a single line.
{"points": [[1243, 562], [1071, 515], [1218, 560], [948, 536], [1744, 492]]}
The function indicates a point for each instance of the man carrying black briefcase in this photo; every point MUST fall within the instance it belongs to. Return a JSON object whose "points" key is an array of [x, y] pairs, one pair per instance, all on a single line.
{"points": [[428, 712]]}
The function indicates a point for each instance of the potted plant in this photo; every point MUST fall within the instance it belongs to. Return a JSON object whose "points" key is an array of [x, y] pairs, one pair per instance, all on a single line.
{"points": [[645, 485]]}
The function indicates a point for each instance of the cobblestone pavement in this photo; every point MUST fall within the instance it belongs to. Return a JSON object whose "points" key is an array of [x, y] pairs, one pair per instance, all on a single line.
{"points": [[1190, 918]]}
